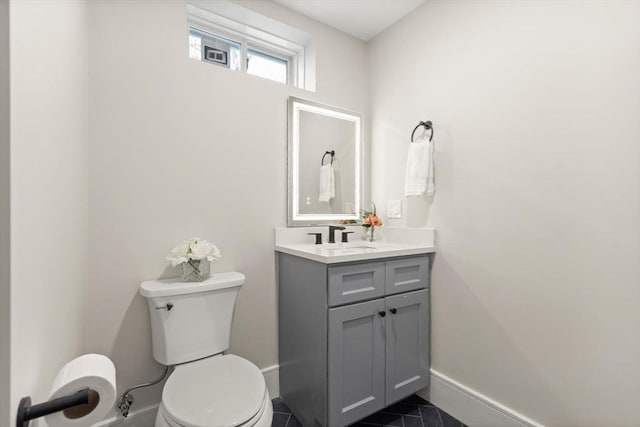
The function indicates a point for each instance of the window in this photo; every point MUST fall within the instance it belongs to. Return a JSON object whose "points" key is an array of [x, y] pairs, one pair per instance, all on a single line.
{"points": [[222, 51], [238, 46]]}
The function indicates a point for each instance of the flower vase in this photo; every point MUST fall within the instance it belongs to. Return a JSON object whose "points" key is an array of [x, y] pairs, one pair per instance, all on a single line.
{"points": [[195, 270], [370, 235]]}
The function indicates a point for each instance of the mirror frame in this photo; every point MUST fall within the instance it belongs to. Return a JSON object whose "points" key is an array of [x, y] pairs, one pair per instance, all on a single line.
{"points": [[294, 217]]}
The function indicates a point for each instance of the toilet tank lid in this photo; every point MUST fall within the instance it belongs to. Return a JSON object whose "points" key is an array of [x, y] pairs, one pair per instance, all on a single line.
{"points": [[170, 287]]}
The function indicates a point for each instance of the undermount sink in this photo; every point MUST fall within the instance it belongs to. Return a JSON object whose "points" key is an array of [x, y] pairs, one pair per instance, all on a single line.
{"points": [[349, 245], [350, 249], [360, 247]]}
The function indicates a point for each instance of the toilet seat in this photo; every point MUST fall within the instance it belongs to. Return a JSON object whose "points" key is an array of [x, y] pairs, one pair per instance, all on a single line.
{"points": [[262, 419], [217, 391]]}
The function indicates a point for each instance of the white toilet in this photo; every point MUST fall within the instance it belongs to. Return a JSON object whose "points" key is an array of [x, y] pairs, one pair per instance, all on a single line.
{"points": [[190, 325]]}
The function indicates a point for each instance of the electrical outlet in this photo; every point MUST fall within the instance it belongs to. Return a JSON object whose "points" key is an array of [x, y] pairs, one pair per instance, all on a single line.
{"points": [[394, 208]]}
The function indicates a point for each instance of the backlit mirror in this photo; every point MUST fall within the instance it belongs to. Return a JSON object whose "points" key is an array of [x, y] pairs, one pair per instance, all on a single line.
{"points": [[325, 163]]}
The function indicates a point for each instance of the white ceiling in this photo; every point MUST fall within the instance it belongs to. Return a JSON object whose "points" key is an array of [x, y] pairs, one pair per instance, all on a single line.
{"points": [[363, 19]]}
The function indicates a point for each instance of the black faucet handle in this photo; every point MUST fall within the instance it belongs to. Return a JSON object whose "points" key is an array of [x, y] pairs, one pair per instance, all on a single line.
{"points": [[345, 236], [332, 232], [318, 237]]}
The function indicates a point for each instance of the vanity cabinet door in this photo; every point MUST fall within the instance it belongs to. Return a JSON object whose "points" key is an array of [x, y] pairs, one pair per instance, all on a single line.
{"points": [[407, 274], [356, 361], [407, 333]]}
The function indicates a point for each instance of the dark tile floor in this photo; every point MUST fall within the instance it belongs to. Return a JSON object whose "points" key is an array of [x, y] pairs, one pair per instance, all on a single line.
{"points": [[410, 412]]}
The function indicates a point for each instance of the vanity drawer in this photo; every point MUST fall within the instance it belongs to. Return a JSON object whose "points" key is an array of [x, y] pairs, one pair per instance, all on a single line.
{"points": [[407, 274], [357, 282]]}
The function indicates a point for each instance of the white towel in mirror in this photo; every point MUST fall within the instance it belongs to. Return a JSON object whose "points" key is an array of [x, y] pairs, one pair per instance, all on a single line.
{"points": [[327, 188]]}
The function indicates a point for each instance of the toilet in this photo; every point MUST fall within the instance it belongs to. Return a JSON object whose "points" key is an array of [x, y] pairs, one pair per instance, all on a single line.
{"points": [[190, 327]]}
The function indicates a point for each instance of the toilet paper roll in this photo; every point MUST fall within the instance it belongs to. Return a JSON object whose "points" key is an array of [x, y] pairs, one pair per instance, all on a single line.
{"points": [[93, 371]]}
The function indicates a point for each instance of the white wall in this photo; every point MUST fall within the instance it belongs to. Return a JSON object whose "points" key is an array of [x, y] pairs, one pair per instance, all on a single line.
{"points": [[5, 245], [48, 65], [537, 207], [181, 148]]}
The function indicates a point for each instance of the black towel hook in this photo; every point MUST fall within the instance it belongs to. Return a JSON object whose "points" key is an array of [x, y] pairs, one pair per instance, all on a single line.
{"points": [[427, 125], [332, 153]]}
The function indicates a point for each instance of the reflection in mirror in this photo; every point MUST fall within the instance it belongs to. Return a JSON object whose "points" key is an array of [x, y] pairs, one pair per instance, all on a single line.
{"points": [[323, 135], [325, 149]]}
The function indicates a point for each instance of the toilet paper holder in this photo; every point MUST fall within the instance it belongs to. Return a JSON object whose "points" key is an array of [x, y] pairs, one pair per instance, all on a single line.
{"points": [[27, 411]]}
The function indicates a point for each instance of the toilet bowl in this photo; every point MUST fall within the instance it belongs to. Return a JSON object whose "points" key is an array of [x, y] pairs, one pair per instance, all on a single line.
{"points": [[217, 391], [191, 324]]}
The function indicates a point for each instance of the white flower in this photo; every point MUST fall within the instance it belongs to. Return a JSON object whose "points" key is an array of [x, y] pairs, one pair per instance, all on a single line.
{"points": [[179, 254], [214, 254], [195, 249], [199, 249]]}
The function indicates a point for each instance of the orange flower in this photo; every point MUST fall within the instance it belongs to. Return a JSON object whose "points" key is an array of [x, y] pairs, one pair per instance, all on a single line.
{"points": [[372, 221]]}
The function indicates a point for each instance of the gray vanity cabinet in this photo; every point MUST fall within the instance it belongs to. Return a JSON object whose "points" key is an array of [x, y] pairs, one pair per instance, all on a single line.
{"points": [[353, 337]]}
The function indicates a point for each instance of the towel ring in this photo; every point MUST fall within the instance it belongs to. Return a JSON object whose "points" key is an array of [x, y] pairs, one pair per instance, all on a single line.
{"points": [[427, 125], [332, 153]]}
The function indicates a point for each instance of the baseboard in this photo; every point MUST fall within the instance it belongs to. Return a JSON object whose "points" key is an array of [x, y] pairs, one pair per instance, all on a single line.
{"points": [[146, 417], [471, 407], [467, 405], [272, 378]]}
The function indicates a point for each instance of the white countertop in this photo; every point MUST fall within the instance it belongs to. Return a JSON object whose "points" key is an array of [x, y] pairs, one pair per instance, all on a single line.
{"points": [[396, 242]]}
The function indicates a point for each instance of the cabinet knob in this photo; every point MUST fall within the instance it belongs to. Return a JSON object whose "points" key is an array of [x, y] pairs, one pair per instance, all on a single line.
{"points": [[382, 313], [393, 311]]}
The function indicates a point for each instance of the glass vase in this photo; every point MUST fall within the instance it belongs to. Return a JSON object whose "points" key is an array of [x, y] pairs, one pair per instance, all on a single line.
{"points": [[195, 270], [370, 234]]}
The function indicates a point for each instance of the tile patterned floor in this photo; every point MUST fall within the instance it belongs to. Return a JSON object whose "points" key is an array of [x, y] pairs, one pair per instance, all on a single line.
{"points": [[410, 412]]}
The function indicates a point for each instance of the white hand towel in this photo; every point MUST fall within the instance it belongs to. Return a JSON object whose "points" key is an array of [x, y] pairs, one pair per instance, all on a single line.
{"points": [[327, 183], [419, 176]]}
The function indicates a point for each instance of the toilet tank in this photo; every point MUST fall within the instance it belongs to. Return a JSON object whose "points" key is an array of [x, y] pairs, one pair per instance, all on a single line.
{"points": [[191, 320]]}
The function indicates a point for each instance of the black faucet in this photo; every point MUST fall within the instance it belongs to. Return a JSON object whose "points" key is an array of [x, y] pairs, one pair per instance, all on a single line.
{"points": [[345, 236], [332, 232], [318, 237]]}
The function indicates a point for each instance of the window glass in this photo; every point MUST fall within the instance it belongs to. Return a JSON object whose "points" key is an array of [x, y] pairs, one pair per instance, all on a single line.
{"points": [[214, 49], [267, 66]]}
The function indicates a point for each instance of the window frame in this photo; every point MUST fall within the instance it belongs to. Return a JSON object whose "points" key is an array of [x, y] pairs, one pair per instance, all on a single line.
{"points": [[292, 53]]}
